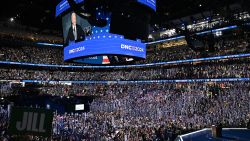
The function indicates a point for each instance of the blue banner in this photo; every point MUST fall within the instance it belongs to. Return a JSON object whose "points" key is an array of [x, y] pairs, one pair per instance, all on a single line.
{"points": [[143, 81], [105, 44], [149, 3], [63, 6]]}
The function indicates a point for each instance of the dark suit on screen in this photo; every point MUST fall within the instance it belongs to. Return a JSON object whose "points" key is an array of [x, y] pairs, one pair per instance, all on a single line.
{"points": [[79, 32]]}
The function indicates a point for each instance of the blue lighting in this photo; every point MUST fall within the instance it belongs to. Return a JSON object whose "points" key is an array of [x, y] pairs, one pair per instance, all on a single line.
{"points": [[64, 5], [149, 3], [128, 66], [50, 44], [141, 81]]}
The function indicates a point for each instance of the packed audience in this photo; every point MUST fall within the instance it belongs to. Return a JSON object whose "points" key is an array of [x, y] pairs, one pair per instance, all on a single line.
{"points": [[54, 55], [233, 69], [135, 112], [43, 55], [184, 106], [138, 111], [3, 121], [157, 111]]}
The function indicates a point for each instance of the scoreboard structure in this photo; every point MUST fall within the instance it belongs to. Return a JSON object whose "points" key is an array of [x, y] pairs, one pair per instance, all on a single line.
{"points": [[103, 32]]}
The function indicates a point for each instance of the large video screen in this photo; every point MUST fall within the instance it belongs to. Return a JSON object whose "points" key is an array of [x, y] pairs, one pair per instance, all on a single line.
{"points": [[75, 28], [86, 43]]}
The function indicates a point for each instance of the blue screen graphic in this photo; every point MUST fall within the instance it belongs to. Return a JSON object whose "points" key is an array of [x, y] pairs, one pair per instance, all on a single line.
{"points": [[105, 44], [149, 3], [64, 5], [86, 43], [102, 15]]}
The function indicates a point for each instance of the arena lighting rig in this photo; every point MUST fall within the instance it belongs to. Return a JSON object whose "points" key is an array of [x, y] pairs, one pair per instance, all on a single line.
{"points": [[105, 31]]}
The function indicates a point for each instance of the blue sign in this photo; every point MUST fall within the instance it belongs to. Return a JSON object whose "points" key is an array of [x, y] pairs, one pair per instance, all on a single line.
{"points": [[105, 44], [149, 3], [64, 5]]}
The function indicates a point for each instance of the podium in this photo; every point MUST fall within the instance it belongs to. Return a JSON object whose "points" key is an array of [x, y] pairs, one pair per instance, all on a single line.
{"points": [[216, 131]]}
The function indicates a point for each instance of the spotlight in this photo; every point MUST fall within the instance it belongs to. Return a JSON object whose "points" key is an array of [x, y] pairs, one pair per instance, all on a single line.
{"points": [[12, 19]]}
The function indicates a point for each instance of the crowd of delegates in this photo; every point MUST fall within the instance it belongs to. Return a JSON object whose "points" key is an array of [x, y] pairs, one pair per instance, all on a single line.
{"points": [[43, 55], [54, 55], [3, 121], [146, 112], [134, 112], [233, 69], [5, 89], [137, 112]]}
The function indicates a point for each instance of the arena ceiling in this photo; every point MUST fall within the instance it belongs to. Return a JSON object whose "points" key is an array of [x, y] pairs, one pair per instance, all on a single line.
{"points": [[41, 13]]}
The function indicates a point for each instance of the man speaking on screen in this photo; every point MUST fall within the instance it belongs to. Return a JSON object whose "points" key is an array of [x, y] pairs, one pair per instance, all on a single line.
{"points": [[75, 32]]}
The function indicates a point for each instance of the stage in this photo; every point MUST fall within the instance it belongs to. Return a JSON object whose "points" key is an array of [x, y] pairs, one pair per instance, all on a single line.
{"points": [[228, 134]]}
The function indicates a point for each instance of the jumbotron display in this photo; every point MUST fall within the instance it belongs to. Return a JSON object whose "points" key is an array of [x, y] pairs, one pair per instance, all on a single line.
{"points": [[105, 32]]}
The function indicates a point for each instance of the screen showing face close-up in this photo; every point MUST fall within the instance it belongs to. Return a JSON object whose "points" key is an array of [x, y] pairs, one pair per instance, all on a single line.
{"points": [[75, 28]]}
